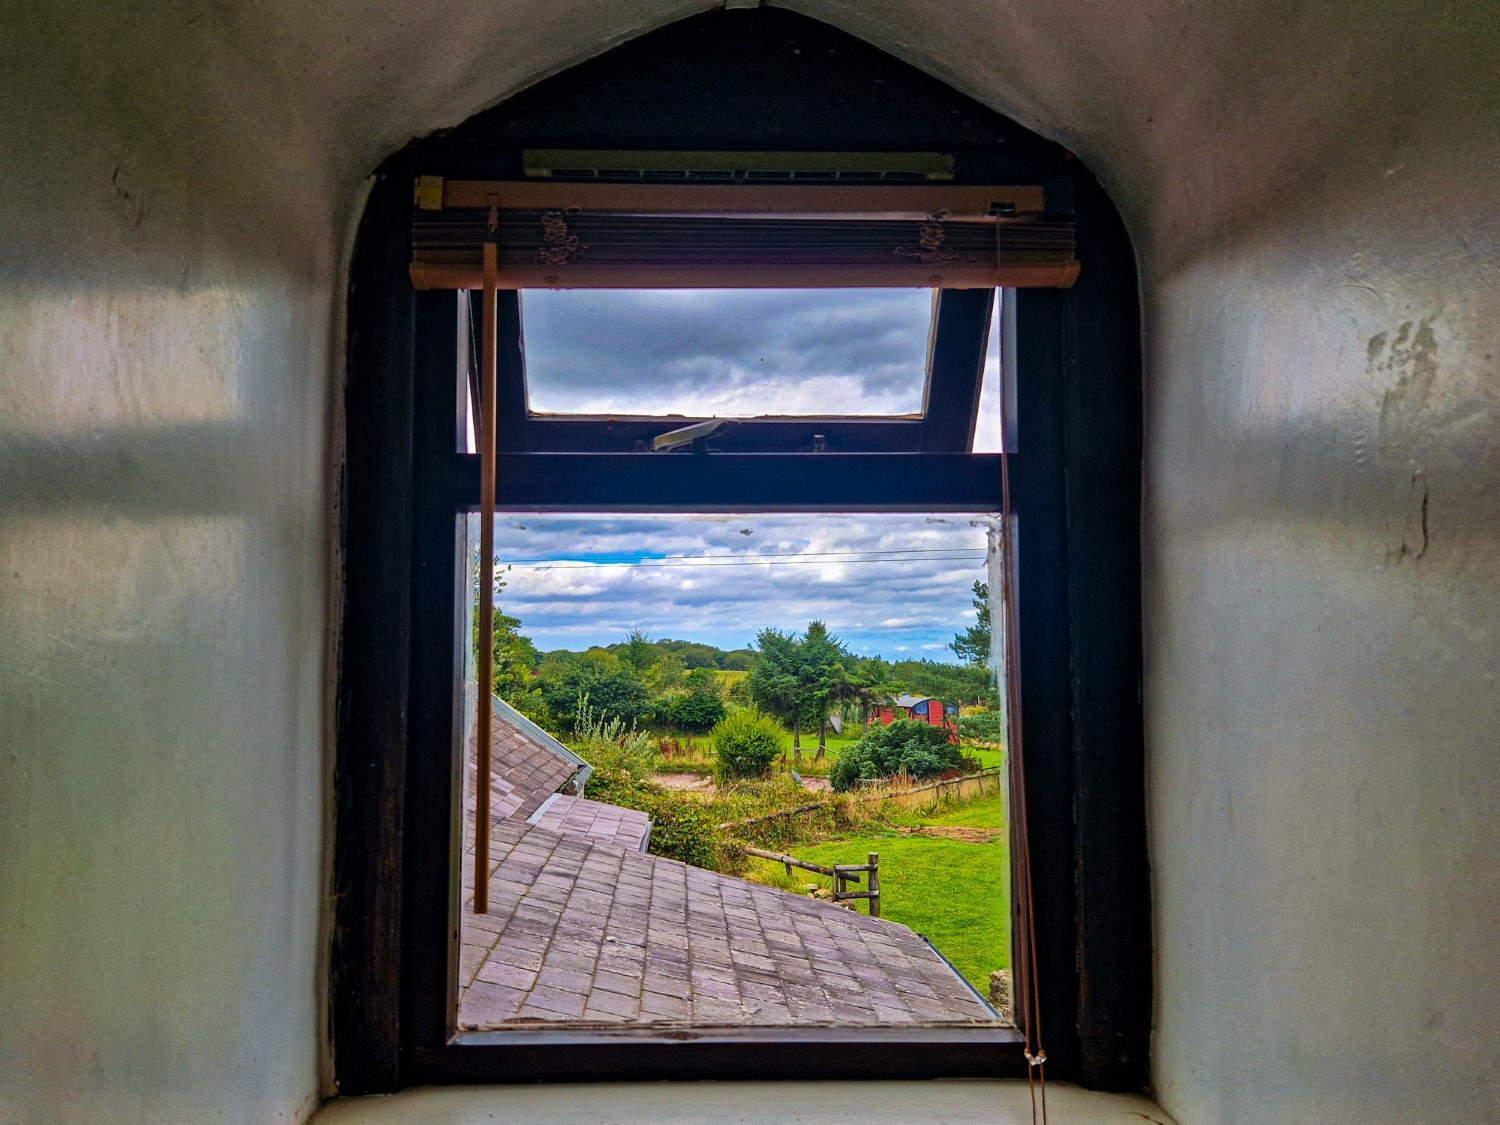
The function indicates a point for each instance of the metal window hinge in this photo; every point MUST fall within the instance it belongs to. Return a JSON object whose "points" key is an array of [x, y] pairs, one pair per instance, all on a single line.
{"points": [[695, 435]]}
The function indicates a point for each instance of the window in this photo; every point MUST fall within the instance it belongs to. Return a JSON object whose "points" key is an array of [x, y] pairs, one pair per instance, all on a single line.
{"points": [[841, 370], [987, 423], [410, 487], [704, 353], [631, 883]]}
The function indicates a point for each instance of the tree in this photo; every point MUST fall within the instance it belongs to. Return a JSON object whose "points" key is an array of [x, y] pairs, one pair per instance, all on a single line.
{"points": [[514, 656], [665, 675], [873, 678], [611, 686], [958, 683], [638, 652], [776, 681], [854, 684], [972, 646], [692, 654], [822, 675], [795, 677]]}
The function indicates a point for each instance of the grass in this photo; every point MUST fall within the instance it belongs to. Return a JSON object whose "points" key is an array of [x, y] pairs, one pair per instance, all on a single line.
{"points": [[986, 756], [956, 894], [702, 760], [809, 766]]}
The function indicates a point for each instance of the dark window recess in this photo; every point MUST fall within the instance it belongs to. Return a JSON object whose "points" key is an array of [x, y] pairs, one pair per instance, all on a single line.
{"points": [[779, 82]]}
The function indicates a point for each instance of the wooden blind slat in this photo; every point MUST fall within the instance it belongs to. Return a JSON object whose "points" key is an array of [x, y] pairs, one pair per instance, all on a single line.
{"points": [[569, 248]]}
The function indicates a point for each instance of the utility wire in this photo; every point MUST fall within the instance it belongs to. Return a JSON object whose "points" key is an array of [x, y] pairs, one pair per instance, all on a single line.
{"points": [[768, 555], [973, 556]]}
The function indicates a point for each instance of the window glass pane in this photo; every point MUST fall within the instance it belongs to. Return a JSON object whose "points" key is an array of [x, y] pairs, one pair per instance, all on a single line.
{"points": [[727, 352], [629, 651], [987, 425]]}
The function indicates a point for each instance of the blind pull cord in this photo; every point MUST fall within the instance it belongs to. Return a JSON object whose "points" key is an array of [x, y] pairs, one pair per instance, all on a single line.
{"points": [[485, 665], [1027, 991]]}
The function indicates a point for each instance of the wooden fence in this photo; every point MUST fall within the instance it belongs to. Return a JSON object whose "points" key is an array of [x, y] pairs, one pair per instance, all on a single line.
{"points": [[842, 874], [904, 796], [931, 792]]}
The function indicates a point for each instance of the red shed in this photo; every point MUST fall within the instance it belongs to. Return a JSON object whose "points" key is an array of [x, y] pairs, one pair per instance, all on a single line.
{"points": [[924, 709]]}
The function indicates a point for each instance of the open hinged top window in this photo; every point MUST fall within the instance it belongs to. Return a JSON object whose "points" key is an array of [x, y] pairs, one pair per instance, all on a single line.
{"points": [[863, 309]]}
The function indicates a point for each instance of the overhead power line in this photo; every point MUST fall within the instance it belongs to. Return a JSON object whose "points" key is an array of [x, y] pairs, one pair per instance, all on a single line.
{"points": [[690, 562], [765, 555]]}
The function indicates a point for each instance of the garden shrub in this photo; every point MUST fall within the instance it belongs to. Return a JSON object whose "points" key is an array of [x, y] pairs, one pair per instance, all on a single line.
{"points": [[744, 798], [745, 745], [983, 726], [700, 709], [615, 787], [680, 829], [918, 750], [610, 744]]}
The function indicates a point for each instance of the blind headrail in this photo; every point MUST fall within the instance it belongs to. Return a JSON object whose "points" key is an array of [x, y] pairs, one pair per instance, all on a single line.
{"points": [[643, 236]]}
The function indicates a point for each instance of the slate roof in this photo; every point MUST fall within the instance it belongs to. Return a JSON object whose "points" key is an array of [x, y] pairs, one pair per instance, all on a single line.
{"points": [[585, 931], [606, 824], [584, 927], [529, 765]]}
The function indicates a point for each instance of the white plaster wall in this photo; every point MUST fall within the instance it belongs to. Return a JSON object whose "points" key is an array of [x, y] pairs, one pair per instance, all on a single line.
{"points": [[165, 325], [176, 181], [1302, 180], [1313, 192]]}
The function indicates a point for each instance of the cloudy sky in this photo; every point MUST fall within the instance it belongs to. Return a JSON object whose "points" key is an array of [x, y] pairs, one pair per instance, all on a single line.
{"points": [[897, 586], [715, 352], [893, 585]]}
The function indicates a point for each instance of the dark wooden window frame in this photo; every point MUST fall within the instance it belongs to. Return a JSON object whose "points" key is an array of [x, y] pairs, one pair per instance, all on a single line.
{"points": [[1077, 486]]}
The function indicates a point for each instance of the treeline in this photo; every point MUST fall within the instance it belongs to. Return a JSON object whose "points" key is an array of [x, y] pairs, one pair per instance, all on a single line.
{"points": [[688, 686], [693, 654], [640, 681]]}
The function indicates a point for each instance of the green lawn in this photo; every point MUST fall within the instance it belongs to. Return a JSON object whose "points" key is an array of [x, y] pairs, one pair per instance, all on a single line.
{"points": [[808, 766], [986, 756], [703, 761], [954, 893]]}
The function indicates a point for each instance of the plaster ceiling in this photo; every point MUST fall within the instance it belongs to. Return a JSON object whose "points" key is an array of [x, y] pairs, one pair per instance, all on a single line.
{"points": [[1229, 109]]}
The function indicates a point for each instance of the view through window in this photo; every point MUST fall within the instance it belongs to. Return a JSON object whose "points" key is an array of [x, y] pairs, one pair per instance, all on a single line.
{"points": [[747, 770], [727, 352]]}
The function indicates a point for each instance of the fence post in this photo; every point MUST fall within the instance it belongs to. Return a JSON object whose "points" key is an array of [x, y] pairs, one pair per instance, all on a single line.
{"points": [[874, 899]]}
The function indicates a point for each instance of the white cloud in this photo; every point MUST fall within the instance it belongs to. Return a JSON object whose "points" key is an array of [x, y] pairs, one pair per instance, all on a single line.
{"points": [[704, 597], [727, 352]]}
